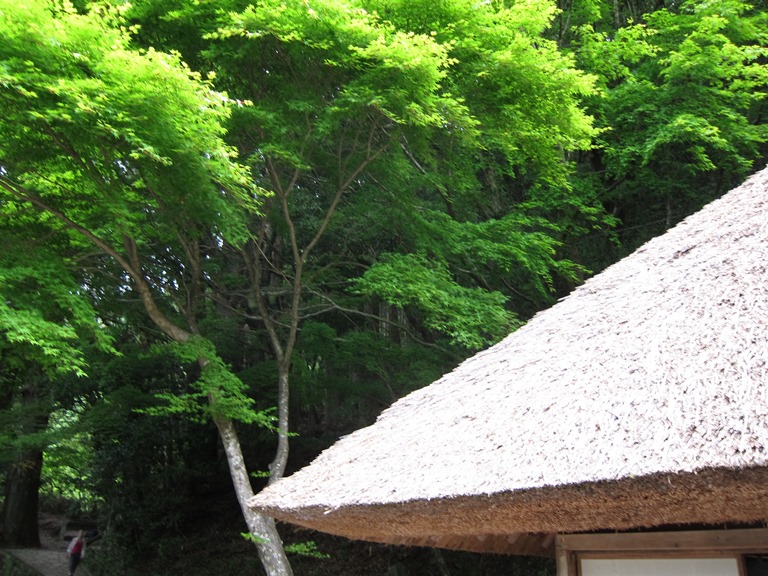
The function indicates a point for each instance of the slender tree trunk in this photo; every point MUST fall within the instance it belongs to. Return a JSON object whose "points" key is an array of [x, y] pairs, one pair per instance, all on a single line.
{"points": [[269, 544], [277, 467], [271, 548]]}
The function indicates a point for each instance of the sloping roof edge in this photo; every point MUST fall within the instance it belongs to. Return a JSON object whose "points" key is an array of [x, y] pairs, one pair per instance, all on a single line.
{"points": [[646, 381], [523, 522]]}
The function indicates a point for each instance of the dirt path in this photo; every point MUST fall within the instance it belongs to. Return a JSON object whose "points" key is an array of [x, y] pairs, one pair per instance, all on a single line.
{"points": [[51, 558], [46, 562]]}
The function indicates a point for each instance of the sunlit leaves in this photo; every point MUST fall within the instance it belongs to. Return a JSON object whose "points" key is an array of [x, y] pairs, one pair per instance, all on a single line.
{"points": [[217, 392], [524, 95], [105, 148], [472, 317], [683, 93], [316, 65], [44, 317], [686, 89], [140, 130]]}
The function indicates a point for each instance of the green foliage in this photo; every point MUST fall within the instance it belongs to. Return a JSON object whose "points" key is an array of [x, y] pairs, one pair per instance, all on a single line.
{"points": [[22, 424], [11, 566], [252, 538], [45, 316], [448, 127], [354, 63], [681, 110], [695, 96], [472, 317], [217, 391], [146, 469], [517, 244], [524, 95], [109, 136], [307, 549], [342, 377], [100, 145], [178, 24], [66, 461], [104, 146]]}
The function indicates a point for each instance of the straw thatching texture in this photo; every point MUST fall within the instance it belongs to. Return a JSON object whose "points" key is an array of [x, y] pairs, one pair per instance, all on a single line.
{"points": [[646, 387]]}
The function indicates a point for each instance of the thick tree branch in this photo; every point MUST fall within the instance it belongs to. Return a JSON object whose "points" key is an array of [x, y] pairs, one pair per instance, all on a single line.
{"points": [[25, 195], [131, 264]]}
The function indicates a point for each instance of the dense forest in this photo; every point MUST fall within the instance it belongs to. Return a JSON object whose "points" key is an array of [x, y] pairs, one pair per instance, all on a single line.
{"points": [[233, 227]]}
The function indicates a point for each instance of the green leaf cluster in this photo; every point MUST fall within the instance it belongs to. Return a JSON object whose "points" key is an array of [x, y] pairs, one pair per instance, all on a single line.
{"points": [[472, 317], [682, 120], [46, 317], [217, 391], [109, 136]]}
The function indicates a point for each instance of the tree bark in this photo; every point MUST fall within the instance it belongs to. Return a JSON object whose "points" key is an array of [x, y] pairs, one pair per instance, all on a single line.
{"points": [[20, 512], [22, 483], [269, 544], [277, 467]]}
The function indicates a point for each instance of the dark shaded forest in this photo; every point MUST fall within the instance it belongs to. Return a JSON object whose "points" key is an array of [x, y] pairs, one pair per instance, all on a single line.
{"points": [[233, 231]]}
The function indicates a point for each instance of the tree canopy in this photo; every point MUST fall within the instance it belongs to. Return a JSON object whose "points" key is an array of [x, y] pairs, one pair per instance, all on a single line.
{"points": [[269, 219]]}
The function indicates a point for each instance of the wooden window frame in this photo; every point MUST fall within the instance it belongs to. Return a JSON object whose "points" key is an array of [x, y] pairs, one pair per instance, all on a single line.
{"points": [[570, 548]]}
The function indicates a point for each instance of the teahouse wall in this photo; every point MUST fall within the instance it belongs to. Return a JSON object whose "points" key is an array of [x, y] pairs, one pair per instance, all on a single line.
{"points": [[678, 553]]}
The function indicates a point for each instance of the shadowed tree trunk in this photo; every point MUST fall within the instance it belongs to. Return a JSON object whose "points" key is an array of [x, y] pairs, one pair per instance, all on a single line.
{"points": [[22, 483], [20, 512]]}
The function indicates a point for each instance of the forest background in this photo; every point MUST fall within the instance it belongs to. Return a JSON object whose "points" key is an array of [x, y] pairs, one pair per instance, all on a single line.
{"points": [[231, 228]]}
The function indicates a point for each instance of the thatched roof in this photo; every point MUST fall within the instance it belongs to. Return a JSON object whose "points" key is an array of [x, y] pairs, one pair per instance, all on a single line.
{"points": [[639, 400]]}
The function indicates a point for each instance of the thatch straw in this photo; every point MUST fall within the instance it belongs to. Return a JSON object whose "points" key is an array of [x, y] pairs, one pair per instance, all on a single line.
{"points": [[638, 400]]}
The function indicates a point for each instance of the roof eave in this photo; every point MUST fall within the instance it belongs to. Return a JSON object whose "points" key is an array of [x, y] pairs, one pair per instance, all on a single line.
{"points": [[520, 522]]}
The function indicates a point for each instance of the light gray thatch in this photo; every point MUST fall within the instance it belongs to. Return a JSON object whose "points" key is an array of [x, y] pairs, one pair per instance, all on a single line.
{"points": [[638, 400]]}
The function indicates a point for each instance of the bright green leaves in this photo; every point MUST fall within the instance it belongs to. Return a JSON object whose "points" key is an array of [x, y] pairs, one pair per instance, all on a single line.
{"points": [[515, 241], [405, 71], [695, 135], [56, 343], [712, 83], [522, 93], [612, 57], [218, 393], [681, 110], [322, 63], [462, 112], [45, 317], [138, 131], [458, 278], [106, 149], [471, 317], [685, 91]]}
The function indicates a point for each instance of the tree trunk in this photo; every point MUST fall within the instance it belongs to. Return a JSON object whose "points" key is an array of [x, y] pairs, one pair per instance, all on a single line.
{"points": [[22, 483], [22, 486], [268, 542], [270, 545], [277, 467]]}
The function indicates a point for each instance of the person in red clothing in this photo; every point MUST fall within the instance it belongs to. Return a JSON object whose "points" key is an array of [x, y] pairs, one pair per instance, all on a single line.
{"points": [[76, 552]]}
